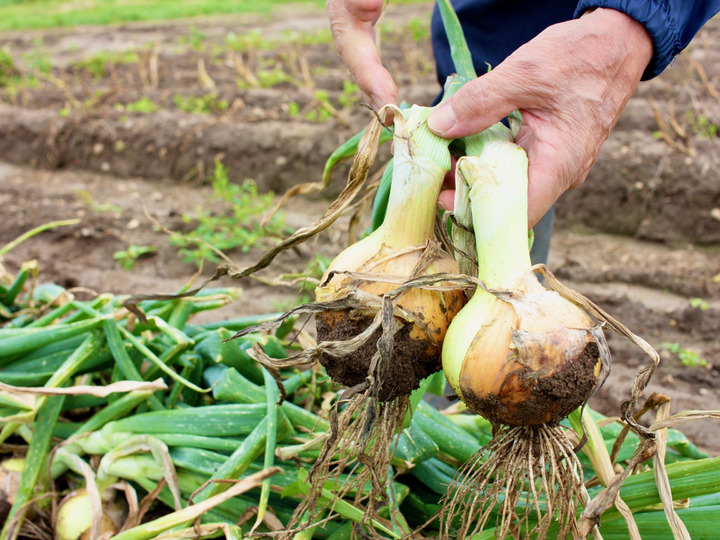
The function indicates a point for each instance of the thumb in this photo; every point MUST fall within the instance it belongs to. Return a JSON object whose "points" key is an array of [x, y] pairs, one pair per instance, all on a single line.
{"points": [[475, 107]]}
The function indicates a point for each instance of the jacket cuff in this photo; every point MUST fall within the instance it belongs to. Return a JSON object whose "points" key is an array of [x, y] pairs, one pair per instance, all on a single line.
{"points": [[655, 17]]}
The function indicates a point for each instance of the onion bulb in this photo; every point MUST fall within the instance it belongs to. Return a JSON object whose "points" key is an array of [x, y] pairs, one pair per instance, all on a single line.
{"points": [[398, 248], [75, 515], [10, 474], [518, 353]]}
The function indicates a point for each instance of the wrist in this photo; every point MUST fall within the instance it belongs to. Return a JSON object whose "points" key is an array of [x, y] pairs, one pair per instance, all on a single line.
{"points": [[627, 38]]}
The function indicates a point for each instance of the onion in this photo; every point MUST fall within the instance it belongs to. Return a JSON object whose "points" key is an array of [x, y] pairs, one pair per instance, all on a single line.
{"points": [[74, 518], [518, 353], [10, 474], [401, 248]]}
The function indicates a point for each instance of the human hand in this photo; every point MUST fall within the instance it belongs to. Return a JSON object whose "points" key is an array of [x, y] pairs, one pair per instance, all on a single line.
{"points": [[570, 83], [351, 23]]}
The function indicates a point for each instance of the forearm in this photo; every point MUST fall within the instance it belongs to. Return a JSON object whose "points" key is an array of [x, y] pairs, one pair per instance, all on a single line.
{"points": [[670, 24]]}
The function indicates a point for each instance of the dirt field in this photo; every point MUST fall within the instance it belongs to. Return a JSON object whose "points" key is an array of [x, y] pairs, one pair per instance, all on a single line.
{"points": [[641, 237]]}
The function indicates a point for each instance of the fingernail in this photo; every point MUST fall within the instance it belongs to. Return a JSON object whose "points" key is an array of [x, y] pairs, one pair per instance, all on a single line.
{"points": [[442, 119]]}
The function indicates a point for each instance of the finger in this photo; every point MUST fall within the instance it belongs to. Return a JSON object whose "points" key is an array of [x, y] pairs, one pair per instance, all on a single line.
{"points": [[351, 24], [476, 106], [449, 180], [553, 169], [446, 199], [546, 176]]}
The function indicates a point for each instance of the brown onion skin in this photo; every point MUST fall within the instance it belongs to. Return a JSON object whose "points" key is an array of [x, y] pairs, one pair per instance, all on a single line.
{"points": [[417, 348], [533, 361]]}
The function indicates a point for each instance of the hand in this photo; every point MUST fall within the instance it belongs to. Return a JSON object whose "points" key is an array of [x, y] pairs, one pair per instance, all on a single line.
{"points": [[351, 22], [570, 83]]}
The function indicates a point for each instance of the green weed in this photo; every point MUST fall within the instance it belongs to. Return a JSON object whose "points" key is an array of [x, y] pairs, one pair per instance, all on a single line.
{"points": [[143, 105], [701, 126], [322, 108], [87, 199], [419, 29], [207, 104], [249, 41], [38, 60], [7, 67], [97, 65], [196, 39], [293, 109], [127, 258], [308, 280], [319, 37], [687, 357], [237, 227], [267, 77], [699, 303], [350, 94]]}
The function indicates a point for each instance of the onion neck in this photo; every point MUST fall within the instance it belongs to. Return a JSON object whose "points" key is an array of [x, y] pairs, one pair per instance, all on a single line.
{"points": [[497, 184], [498, 198], [420, 162]]}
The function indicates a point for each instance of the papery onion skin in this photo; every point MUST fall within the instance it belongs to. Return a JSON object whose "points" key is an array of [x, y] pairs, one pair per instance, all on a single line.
{"points": [[544, 379], [75, 516], [534, 359], [416, 352]]}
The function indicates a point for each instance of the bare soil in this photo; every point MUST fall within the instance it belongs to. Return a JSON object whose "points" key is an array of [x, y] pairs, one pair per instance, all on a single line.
{"points": [[641, 237]]}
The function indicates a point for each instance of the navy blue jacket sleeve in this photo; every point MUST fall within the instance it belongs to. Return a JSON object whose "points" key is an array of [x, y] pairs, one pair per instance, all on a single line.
{"points": [[670, 23]]}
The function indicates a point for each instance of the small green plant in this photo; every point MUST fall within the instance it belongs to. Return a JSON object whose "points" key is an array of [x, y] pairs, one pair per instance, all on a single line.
{"points": [[307, 281], [96, 65], [143, 105], [349, 95], [293, 108], [207, 104], [126, 259], [419, 29], [38, 60], [699, 303], [196, 39], [701, 126], [268, 77], [87, 199], [323, 110], [318, 37], [687, 357], [237, 227], [304, 282], [247, 41], [7, 67]]}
